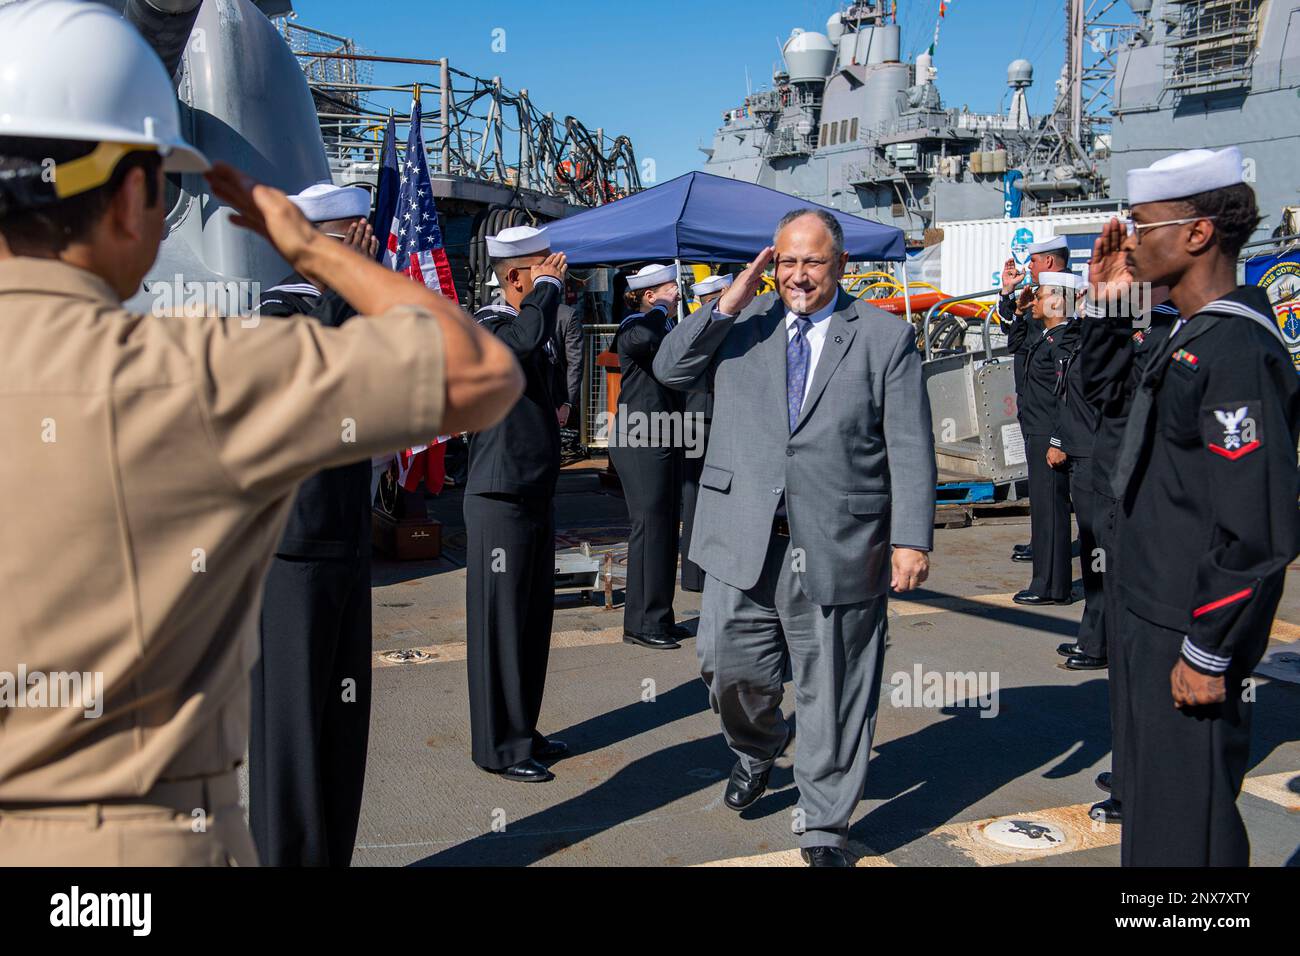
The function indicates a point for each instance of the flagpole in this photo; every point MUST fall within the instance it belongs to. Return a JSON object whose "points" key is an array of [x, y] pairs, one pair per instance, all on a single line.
{"points": [[907, 294], [681, 305]]}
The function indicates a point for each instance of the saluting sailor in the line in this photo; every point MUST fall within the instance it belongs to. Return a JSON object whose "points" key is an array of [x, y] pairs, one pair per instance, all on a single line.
{"points": [[1112, 357], [648, 460], [510, 522], [1015, 316], [699, 408], [307, 741], [1206, 477], [1070, 450], [1049, 488]]}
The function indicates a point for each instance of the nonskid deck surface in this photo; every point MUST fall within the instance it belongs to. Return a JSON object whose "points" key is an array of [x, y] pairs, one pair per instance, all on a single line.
{"points": [[644, 785]]}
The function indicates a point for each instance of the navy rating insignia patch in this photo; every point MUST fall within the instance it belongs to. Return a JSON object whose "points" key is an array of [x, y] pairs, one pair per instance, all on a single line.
{"points": [[1231, 431]]}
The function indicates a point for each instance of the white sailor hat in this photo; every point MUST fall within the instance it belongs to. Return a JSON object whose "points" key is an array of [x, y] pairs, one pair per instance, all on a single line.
{"points": [[518, 241], [1062, 280], [711, 284], [1185, 174], [1055, 244], [652, 275], [322, 202]]}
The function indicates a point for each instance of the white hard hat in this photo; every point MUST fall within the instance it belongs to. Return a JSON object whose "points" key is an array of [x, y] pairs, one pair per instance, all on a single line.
{"points": [[74, 70]]}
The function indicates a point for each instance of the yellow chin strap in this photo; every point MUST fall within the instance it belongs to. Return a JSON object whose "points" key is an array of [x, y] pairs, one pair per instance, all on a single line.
{"points": [[93, 170]]}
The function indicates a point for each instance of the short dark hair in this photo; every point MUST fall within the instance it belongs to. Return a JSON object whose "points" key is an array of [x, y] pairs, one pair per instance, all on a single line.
{"points": [[49, 225], [1235, 212], [830, 222]]}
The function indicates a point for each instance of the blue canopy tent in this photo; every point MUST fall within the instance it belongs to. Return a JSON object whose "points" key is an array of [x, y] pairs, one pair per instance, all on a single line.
{"points": [[700, 217]]}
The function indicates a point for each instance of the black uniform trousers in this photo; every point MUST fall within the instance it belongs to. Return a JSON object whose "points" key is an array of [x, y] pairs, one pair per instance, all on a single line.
{"points": [[1105, 516], [1049, 522], [509, 605], [652, 487], [1182, 768], [1092, 628], [310, 712], [692, 573]]}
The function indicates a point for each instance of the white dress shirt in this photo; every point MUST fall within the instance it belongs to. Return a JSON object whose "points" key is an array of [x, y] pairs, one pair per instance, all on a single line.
{"points": [[816, 338]]}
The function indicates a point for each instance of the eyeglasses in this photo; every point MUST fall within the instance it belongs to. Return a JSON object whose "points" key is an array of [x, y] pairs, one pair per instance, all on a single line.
{"points": [[1136, 229]]}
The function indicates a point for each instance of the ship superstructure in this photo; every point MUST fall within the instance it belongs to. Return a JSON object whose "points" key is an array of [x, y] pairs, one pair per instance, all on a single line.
{"points": [[848, 122]]}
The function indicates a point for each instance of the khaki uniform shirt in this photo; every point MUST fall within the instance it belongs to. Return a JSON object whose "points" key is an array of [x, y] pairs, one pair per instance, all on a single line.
{"points": [[147, 466]]}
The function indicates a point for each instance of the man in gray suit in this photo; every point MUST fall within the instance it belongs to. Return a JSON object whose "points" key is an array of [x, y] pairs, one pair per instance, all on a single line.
{"points": [[817, 495], [568, 368]]}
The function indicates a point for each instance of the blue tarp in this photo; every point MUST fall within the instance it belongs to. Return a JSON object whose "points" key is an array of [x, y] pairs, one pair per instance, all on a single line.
{"points": [[700, 217]]}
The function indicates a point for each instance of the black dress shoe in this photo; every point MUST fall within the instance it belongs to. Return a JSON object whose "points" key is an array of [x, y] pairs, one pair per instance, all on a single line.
{"points": [[1030, 598], [1022, 549], [527, 771], [1067, 650], [1103, 781], [1108, 810], [550, 750], [743, 788], [1025, 555], [658, 642], [1085, 662], [825, 856]]}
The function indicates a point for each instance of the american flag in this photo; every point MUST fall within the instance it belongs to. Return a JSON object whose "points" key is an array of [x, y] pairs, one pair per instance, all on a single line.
{"points": [[415, 247], [415, 239]]}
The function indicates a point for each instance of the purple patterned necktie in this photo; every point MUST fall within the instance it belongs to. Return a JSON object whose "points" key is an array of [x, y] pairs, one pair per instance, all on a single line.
{"points": [[796, 368]]}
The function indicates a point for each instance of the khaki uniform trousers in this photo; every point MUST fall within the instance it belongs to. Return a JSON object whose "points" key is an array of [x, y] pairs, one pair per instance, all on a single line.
{"points": [[194, 822]]}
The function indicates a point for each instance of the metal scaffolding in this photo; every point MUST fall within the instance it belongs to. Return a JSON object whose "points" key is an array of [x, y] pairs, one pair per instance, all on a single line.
{"points": [[473, 127], [1211, 45]]}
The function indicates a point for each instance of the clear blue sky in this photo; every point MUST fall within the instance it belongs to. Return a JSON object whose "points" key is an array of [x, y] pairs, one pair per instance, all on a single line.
{"points": [[663, 73]]}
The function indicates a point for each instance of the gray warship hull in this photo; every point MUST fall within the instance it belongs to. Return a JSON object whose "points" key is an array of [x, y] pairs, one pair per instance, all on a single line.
{"points": [[851, 125]]}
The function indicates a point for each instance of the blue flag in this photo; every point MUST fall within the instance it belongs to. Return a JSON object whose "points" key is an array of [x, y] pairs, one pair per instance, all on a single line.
{"points": [[386, 194], [1011, 194], [1279, 276]]}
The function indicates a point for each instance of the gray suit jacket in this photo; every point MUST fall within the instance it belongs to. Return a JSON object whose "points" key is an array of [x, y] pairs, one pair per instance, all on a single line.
{"points": [[858, 471], [568, 347]]}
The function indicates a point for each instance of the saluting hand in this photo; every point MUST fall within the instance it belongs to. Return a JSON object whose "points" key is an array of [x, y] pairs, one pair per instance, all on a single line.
{"points": [[555, 265], [361, 237], [263, 209], [741, 292], [1109, 274], [1011, 276]]}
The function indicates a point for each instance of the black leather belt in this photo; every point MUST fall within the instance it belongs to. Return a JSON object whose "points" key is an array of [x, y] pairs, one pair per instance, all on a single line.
{"points": [[781, 526]]}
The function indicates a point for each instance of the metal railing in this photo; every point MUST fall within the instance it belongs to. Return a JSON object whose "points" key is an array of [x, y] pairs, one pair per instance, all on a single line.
{"points": [[474, 127], [944, 303], [596, 338]]}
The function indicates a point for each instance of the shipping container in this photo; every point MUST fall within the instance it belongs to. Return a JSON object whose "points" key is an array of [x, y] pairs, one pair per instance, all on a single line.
{"points": [[973, 252]]}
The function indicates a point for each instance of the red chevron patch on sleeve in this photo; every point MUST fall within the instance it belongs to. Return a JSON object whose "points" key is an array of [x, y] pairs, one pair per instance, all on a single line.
{"points": [[1236, 452]]}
